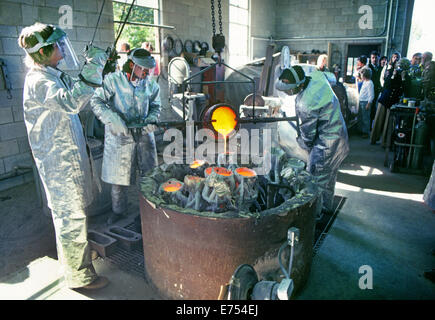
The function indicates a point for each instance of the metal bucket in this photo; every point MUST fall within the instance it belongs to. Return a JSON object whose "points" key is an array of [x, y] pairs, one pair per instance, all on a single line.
{"points": [[190, 256]]}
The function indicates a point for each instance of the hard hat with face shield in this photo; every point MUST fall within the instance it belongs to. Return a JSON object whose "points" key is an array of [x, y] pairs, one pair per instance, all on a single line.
{"points": [[143, 65], [290, 81], [61, 40], [322, 130]]}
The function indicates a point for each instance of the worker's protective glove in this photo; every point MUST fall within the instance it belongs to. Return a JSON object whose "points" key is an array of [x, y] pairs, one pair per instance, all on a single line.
{"points": [[151, 119], [96, 55], [149, 128], [117, 125], [92, 72]]}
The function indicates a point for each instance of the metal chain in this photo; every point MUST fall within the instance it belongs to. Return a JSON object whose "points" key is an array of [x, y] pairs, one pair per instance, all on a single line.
{"points": [[220, 16], [212, 17]]}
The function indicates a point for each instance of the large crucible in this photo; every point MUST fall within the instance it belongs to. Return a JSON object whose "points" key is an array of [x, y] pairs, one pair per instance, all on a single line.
{"points": [[200, 222]]}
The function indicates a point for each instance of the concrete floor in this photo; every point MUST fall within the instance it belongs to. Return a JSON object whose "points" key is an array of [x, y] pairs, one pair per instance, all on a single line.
{"points": [[383, 224]]}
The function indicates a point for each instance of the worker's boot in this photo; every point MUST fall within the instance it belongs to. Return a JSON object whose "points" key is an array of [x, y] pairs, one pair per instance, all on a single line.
{"points": [[119, 203]]}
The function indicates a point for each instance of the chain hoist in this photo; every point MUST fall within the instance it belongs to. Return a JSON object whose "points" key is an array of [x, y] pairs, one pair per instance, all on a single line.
{"points": [[218, 40]]}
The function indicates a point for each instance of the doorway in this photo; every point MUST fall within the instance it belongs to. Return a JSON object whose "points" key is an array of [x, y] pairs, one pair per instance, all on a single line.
{"points": [[354, 51]]}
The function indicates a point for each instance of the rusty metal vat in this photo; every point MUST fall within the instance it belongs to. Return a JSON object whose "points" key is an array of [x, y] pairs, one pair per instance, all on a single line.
{"points": [[190, 256]]}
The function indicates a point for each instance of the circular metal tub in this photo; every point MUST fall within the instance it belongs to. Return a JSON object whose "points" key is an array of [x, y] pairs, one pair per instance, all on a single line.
{"points": [[191, 256]]}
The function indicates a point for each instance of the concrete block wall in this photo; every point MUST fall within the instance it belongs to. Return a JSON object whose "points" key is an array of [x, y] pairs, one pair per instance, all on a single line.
{"points": [[263, 25], [14, 16], [339, 18], [317, 18]]}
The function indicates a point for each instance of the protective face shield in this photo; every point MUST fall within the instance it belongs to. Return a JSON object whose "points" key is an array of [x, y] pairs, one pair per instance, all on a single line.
{"points": [[143, 65], [69, 56], [139, 73], [291, 88], [60, 38]]}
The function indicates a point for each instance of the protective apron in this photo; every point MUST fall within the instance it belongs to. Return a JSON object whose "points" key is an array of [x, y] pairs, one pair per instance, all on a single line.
{"points": [[51, 103], [323, 133], [122, 153]]}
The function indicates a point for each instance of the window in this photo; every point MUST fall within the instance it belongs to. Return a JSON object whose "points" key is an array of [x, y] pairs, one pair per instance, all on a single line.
{"points": [[238, 32], [136, 35]]}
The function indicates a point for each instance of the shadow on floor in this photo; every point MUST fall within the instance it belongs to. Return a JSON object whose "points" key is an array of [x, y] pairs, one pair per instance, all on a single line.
{"points": [[26, 233]]}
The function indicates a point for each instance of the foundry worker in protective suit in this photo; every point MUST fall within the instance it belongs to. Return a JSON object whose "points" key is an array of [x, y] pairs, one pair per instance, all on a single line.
{"points": [[128, 97], [51, 102], [323, 131]]}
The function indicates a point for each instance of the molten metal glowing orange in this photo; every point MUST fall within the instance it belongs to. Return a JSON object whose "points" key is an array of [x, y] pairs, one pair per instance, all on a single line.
{"points": [[224, 120], [172, 186], [197, 163], [223, 171], [193, 178], [219, 170], [208, 171], [246, 172]]}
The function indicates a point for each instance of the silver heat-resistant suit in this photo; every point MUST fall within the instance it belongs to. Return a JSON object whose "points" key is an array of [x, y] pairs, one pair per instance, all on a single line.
{"points": [[51, 103], [323, 133], [124, 153]]}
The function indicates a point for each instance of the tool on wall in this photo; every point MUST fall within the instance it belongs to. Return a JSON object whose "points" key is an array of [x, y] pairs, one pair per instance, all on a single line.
{"points": [[6, 80], [168, 44]]}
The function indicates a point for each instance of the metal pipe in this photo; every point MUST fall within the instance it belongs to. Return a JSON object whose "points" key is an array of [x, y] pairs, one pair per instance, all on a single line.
{"points": [[219, 81], [387, 39], [283, 246], [403, 27], [395, 20], [181, 122], [331, 39], [148, 25], [290, 263], [262, 59]]}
